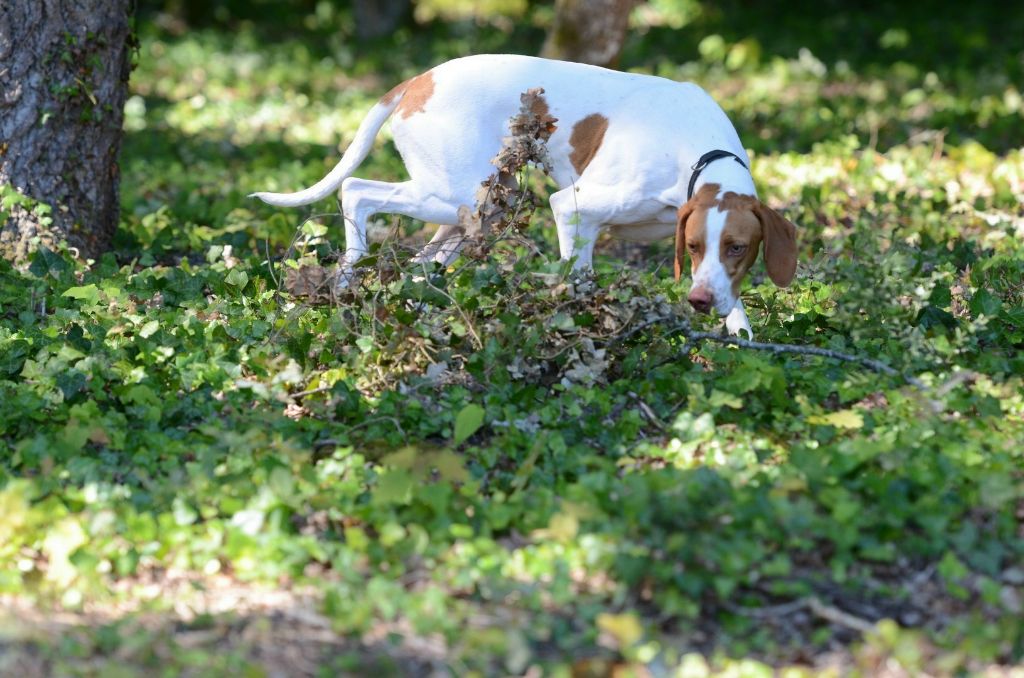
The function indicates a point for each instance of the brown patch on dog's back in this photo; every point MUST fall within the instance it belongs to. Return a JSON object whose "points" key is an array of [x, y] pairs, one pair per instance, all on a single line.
{"points": [[586, 138], [417, 93]]}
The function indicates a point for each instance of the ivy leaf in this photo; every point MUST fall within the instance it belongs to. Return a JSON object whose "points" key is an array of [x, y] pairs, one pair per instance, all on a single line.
{"points": [[90, 294], [563, 527], [563, 322], [849, 419], [184, 513], [450, 467], [237, 278], [394, 487], [721, 398], [46, 262], [60, 542], [70, 383], [985, 303], [625, 628], [365, 344], [149, 329], [469, 419]]}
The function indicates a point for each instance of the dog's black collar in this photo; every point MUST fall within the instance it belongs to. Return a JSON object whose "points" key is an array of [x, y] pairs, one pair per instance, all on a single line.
{"points": [[706, 160]]}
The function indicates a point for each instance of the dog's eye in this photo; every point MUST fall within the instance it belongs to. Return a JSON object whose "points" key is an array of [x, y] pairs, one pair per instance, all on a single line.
{"points": [[692, 246], [736, 250]]}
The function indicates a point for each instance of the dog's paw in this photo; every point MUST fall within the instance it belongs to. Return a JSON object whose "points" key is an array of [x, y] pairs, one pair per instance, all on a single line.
{"points": [[737, 321], [344, 278]]}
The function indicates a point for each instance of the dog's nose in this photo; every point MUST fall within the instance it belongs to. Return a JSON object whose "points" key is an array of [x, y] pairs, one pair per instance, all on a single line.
{"points": [[700, 299]]}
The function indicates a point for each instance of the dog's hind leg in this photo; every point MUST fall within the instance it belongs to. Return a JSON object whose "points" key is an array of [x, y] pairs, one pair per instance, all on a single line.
{"points": [[362, 198], [444, 246]]}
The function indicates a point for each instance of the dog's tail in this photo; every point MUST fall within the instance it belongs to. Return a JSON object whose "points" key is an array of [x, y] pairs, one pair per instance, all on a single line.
{"points": [[355, 154]]}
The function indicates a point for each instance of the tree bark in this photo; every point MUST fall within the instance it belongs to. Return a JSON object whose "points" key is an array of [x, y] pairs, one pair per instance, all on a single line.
{"points": [[377, 18], [64, 68], [589, 31]]}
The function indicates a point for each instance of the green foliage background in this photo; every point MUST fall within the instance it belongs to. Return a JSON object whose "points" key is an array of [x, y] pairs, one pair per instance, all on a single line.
{"points": [[477, 460]]}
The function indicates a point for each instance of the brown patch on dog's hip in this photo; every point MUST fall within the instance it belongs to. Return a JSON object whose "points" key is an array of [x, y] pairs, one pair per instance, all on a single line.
{"points": [[415, 94], [394, 92]]}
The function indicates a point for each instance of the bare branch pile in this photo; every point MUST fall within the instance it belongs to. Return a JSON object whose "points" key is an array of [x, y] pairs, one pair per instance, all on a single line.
{"points": [[500, 201]]}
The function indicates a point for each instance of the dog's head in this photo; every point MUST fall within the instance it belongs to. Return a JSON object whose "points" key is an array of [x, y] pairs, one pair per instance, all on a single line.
{"points": [[721, 234]]}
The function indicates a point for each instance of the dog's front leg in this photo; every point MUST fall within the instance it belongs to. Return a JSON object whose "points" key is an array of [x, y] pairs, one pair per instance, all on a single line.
{"points": [[737, 320], [576, 232]]}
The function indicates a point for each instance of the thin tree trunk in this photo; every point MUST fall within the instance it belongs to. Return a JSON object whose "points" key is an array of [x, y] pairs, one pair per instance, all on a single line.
{"points": [[589, 31], [64, 68], [377, 18]]}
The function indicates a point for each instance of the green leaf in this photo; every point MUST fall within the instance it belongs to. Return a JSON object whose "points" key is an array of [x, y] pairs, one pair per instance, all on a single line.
{"points": [[314, 229], [849, 419], [90, 294], [394, 487], [149, 329], [61, 541], [391, 533], [985, 303], [562, 527], [469, 419], [404, 458], [625, 628], [356, 539], [184, 514], [365, 344], [562, 321], [237, 278], [721, 398], [450, 467]]}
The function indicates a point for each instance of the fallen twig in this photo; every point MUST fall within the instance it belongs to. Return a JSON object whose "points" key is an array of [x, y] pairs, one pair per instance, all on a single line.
{"points": [[870, 363], [768, 611], [302, 394], [812, 604], [839, 617]]}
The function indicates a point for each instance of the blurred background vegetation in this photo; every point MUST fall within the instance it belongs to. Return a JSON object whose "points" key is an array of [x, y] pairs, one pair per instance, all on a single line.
{"points": [[972, 53], [932, 35]]}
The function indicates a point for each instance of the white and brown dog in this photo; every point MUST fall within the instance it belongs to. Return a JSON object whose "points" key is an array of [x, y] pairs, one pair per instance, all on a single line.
{"points": [[641, 156]]}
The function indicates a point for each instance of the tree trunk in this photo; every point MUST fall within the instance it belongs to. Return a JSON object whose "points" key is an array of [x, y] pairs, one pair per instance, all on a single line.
{"points": [[377, 18], [64, 68], [589, 31]]}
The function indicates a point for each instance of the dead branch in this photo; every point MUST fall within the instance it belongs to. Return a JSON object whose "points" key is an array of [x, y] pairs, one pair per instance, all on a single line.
{"points": [[870, 363], [812, 604], [836, 616], [499, 199]]}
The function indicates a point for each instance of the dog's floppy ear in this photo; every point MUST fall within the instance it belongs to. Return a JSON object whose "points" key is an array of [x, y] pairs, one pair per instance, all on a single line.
{"points": [[684, 213], [779, 236]]}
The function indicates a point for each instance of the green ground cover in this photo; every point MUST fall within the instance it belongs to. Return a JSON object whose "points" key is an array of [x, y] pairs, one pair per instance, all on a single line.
{"points": [[498, 468]]}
